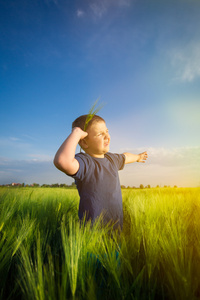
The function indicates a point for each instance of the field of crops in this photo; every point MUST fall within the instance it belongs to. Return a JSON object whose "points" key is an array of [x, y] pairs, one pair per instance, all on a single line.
{"points": [[46, 254]]}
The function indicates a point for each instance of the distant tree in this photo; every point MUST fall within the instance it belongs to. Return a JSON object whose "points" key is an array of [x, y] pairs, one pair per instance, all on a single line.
{"points": [[63, 185], [148, 186], [141, 186], [175, 186], [55, 185], [36, 184], [123, 187], [73, 185], [45, 185]]}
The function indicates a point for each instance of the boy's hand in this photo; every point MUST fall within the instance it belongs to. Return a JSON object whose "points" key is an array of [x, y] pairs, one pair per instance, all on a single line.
{"points": [[131, 158], [82, 134], [142, 157]]}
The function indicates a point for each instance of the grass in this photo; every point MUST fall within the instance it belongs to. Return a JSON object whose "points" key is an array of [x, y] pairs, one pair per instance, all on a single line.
{"points": [[45, 253]]}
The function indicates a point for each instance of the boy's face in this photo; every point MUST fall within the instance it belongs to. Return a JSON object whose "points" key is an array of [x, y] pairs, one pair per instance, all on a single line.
{"points": [[98, 139]]}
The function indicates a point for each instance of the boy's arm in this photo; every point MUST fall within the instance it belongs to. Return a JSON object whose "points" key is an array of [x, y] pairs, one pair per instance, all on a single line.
{"points": [[64, 159], [131, 158]]}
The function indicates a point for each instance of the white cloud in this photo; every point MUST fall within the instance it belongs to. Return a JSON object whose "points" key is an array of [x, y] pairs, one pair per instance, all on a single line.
{"points": [[23, 147], [100, 8], [80, 13], [13, 143], [186, 61], [14, 139], [175, 157], [40, 157], [29, 137], [97, 9], [30, 171], [174, 166]]}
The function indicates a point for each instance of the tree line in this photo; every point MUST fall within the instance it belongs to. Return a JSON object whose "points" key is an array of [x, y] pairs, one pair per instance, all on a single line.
{"points": [[63, 185]]}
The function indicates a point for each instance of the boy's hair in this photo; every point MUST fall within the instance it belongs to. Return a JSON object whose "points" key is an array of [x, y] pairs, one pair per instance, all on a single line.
{"points": [[80, 121]]}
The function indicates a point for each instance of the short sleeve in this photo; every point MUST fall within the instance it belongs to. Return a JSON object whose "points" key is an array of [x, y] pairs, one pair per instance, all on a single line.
{"points": [[118, 159], [83, 166]]}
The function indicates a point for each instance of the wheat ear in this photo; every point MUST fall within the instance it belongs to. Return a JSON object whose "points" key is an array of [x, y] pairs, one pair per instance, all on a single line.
{"points": [[93, 111]]}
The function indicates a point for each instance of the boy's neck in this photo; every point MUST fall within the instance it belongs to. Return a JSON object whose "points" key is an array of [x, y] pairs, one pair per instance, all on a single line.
{"points": [[95, 155]]}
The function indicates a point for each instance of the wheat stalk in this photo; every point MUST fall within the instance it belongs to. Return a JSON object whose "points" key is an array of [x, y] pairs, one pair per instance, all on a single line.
{"points": [[93, 111]]}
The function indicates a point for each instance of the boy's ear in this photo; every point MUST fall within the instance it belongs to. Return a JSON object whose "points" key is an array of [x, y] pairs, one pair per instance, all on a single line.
{"points": [[83, 144]]}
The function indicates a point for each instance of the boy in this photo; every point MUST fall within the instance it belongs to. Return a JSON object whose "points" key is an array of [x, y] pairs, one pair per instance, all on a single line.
{"points": [[95, 171]]}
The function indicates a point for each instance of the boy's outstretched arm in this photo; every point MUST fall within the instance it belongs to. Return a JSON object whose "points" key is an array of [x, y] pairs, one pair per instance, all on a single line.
{"points": [[131, 158], [64, 159]]}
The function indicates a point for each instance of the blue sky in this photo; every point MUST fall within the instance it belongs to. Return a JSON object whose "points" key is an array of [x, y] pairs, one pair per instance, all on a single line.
{"points": [[141, 57]]}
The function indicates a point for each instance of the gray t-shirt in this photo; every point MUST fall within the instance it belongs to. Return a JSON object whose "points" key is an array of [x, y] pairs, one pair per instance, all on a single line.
{"points": [[97, 181]]}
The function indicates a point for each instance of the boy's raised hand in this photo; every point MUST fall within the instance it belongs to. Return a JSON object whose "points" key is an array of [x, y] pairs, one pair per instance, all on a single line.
{"points": [[82, 134], [64, 159], [142, 157]]}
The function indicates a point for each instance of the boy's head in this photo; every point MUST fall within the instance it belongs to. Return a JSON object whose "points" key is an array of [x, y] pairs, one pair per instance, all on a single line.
{"points": [[97, 142], [80, 121]]}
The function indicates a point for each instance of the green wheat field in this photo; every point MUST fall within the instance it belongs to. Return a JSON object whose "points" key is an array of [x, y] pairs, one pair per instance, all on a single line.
{"points": [[45, 253]]}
